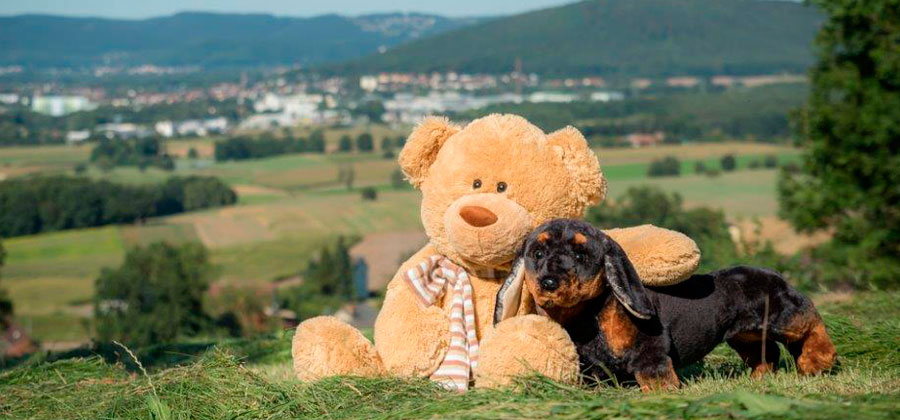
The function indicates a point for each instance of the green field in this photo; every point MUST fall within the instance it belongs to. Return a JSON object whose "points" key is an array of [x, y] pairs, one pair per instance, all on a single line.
{"points": [[252, 379], [290, 205]]}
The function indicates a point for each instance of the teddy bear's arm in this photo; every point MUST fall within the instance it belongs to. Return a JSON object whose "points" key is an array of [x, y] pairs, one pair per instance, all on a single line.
{"points": [[660, 256], [410, 339]]}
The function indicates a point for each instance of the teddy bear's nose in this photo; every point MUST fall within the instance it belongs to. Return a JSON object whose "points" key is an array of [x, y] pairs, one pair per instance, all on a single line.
{"points": [[477, 216]]}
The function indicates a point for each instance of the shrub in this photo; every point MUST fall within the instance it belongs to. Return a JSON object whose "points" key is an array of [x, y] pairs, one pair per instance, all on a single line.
{"points": [[327, 282], [155, 296], [369, 193], [770, 161], [754, 164], [700, 167], [345, 144], [365, 142], [193, 154], [667, 166], [398, 180], [729, 163]]}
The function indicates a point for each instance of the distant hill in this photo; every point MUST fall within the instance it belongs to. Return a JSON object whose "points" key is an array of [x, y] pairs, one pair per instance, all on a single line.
{"points": [[208, 39], [629, 37]]}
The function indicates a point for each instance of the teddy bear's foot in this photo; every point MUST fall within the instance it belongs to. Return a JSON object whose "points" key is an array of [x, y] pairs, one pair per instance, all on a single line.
{"points": [[523, 345], [324, 346]]}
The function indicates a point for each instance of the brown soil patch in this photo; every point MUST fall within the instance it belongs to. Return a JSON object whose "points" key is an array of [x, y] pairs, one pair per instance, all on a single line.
{"points": [[384, 252]]}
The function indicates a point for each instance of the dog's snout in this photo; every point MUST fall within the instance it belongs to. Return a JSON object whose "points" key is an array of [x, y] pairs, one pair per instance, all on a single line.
{"points": [[549, 284], [478, 216]]}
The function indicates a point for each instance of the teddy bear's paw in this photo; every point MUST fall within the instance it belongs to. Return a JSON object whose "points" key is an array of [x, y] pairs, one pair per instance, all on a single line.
{"points": [[324, 346], [524, 345], [411, 342]]}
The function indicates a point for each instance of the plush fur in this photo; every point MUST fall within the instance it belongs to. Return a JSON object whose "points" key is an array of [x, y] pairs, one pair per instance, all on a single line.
{"points": [[581, 278], [484, 187]]}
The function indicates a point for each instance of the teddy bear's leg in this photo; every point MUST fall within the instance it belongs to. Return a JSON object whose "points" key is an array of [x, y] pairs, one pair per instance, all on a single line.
{"points": [[525, 344], [324, 346]]}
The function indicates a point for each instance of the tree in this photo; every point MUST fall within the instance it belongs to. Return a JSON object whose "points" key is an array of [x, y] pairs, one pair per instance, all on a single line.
{"points": [[317, 141], [667, 166], [850, 172], [155, 296], [373, 110], [369, 194], [729, 163], [364, 142], [327, 282], [193, 154], [770, 161], [345, 144]]}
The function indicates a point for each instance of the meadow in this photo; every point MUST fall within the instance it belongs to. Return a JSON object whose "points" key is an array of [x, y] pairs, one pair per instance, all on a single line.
{"points": [[289, 206], [253, 379]]}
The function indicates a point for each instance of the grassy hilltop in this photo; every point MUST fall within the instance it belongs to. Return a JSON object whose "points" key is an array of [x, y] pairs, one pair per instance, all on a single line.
{"points": [[252, 379]]}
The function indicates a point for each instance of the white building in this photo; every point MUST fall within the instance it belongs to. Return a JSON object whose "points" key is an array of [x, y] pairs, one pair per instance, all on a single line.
{"points": [[61, 105], [78, 136]]}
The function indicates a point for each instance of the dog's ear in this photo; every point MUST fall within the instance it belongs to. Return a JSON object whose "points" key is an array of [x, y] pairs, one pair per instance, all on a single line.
{"points": [[625, 283]]}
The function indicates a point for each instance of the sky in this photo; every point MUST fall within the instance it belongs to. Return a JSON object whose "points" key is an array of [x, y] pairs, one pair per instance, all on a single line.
{"points": [[136, 9]]}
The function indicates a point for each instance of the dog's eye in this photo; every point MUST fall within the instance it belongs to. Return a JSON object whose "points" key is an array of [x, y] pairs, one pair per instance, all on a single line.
{"points": [[477, 184], [579, 257], [501, 186], [538, 254]]}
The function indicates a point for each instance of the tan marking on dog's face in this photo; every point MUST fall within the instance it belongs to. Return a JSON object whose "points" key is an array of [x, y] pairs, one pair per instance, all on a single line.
{"points": [[543, 237], [564, 302], [618, 329], [579, 238]]}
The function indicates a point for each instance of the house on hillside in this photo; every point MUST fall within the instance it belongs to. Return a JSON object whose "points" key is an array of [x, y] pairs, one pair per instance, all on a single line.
{"points": [[645, 139]]}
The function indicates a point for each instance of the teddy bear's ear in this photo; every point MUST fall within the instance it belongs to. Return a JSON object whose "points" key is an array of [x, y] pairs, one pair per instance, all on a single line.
{"points": [[422, 147], [582, 164]]}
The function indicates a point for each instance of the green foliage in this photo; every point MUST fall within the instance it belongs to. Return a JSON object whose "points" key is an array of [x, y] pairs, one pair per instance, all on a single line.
{"points": [[193, 154], [369, 193], [345, 144], [770, 161], [667, 166], [155, 296], [364, 142], [398, 180], [700, 167], [327, 282], [694, 116], [6, 307], [728, 163], [44, 204], [615, 38], [642, 205], [387, 143], [241, 148], [373, 110], [848, 182], [252, 378], [143, 152]]}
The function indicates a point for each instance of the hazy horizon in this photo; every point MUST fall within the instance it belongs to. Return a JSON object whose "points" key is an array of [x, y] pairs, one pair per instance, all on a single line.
{"points": [[131, 10]]}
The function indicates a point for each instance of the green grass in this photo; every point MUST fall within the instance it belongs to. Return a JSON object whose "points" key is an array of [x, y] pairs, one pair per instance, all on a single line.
{"points": [[250, 378]]}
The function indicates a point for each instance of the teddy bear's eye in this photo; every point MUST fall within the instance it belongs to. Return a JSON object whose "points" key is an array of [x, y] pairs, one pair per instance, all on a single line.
{"points": [[501, 186], [477, 184]]}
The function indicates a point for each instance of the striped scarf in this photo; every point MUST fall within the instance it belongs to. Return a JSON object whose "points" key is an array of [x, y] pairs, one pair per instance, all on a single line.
{"points": [[428, 280]]}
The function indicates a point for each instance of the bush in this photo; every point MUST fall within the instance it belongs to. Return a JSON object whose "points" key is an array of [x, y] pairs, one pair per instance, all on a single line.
{"points": [[667, 166], [51, 203], [327, 282], [729, 163], [155, 296], [365, 142], [754, 164], [345, 144], [136, 152], [369, 193], [241, 148], [387, 144], [193, 154], [700, 167], [770, 161], [398, 180]]}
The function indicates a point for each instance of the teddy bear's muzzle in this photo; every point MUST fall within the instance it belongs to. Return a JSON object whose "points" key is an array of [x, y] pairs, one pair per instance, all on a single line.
{"points": [[487, 228]]}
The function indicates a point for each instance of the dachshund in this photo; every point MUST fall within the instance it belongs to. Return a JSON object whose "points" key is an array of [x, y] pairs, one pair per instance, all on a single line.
{"points": [[582, 279]]}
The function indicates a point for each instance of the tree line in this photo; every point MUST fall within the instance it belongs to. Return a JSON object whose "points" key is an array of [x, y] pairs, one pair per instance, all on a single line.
{"points": [[142, 153], [51, 203], [242, 147]]}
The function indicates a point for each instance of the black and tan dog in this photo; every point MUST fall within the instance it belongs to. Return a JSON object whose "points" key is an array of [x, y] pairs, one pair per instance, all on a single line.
{"points": [[581, 278]]}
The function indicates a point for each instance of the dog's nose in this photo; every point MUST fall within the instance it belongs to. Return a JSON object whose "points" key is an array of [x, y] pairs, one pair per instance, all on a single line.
{"points": [[477, 216], [549, 284]]}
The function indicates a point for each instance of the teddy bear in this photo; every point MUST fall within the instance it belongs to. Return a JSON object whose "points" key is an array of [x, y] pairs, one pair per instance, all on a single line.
{"points": [[484, 187]]}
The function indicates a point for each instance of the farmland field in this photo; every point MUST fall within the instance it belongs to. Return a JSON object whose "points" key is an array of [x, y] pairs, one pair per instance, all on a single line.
{"points": [[253, 379], [290, 205]]}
